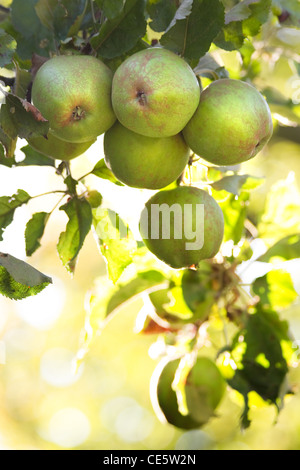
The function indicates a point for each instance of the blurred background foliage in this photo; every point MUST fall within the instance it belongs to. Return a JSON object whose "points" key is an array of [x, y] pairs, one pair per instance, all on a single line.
{"points": [[104, 403]]}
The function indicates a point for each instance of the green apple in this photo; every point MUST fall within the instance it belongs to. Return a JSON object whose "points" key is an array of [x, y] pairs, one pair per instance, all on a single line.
{"points": [[144, 162], [74, 94], [58, 149], [231, 125], [202, 391], [188, 298], [182, 226], [155, 93], [164, 399]]}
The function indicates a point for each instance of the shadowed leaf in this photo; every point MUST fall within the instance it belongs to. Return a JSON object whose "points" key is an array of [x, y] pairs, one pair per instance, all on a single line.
{"points": [[8, 205], [70, 242], [34, 231], [193, 28], [18, 279], [116, 242], [120, 34]]}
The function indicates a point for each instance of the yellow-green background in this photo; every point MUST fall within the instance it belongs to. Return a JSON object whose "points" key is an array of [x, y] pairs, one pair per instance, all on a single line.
{"points": [[107, 404]]}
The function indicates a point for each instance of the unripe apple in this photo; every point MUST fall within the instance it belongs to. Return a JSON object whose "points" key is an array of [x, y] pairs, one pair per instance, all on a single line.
{"points": [[188, 298], [74, 94], [58, 149], [203, 390], [182, 226], [144, 162], [231, 124], [155, 92], [164, 399]]}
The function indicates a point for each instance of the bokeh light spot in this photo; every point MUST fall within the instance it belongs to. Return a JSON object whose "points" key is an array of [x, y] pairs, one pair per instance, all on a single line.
{"points": [[57, 367], [69, 427]]}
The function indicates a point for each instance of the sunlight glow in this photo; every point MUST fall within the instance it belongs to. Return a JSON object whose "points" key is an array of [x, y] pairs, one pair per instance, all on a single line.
{"points": [[56, 367], [42, 310], [69, 427]]}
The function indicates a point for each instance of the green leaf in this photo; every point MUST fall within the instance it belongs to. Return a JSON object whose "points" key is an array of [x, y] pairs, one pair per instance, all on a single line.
{"points": [[18, 279], [260, 10], [111, 9], [9, 162], [44, 10], [287, 248], [257, 352], [32, 157], [34, 36], [193, 28], [34, 231], [245, 253], [275, 289], [253, 182], [8, 205], [161, 13], [235, 212], [231, 37], [20, 118], [8, 145], [144, 280], [183, 12], [63, 17], [71, 184], [243, 20], [68, 16], [234, 183], [8, 126], [22, 81], [24, 17], [70, 242], [118, 295], [102, 171], [7, 48], [239, 12], [42, 45], [247, 50], [116, 242], [120, 34]]}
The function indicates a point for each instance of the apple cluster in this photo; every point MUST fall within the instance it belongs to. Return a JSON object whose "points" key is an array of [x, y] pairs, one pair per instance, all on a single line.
{"points": [[153, 117]]}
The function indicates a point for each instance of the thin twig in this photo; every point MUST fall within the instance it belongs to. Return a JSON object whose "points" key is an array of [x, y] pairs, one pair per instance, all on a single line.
{"points": [[50, 192], [84, 176], [57, 204]]}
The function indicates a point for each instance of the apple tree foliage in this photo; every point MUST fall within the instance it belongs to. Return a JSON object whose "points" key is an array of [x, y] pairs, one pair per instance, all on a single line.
{"points": [[200, 311]]}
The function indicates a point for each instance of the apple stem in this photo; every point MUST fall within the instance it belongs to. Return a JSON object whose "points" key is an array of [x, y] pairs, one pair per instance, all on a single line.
{"points": [[78, 113], [142, 98]]}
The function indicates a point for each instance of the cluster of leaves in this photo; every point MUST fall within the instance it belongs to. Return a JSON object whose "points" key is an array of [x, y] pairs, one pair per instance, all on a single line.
{"points": [[185, 308], [197, 311]]}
